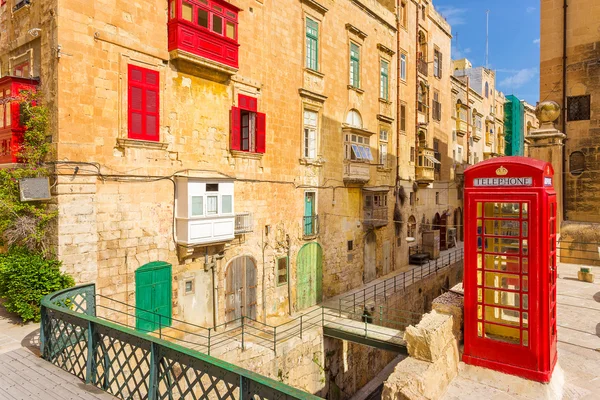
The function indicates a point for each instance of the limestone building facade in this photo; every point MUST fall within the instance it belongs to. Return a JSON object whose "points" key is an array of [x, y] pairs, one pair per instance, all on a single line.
{"points": [[269, 154], [569, 72]]}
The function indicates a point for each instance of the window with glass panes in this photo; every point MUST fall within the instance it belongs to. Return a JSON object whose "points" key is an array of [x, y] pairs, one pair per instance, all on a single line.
{"points": [[552, 266], [354, 65], [211, 203], [312, 44], [383, 146], [310, 134], [357, 148], [403, 66], [502, 272], [384, 80]]}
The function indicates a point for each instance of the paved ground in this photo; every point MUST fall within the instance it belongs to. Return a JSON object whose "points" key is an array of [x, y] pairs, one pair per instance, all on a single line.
{"points": [[23, 375], [578, 352]]}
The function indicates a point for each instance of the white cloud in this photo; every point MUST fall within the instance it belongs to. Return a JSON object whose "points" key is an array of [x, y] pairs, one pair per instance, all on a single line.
{"points": [[457, 53], [519, 78], [454, 15], [530, 10], [536, 41]]}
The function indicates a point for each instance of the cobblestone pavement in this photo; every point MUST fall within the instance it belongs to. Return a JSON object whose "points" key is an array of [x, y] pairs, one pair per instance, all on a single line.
{"points": [[578, 323]]}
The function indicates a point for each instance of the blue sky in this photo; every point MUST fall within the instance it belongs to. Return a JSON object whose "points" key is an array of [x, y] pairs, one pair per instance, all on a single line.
{"points": [[514, 32]]}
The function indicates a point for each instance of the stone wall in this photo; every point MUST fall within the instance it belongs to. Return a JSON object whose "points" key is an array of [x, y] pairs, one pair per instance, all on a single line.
{"points": [[582, 78]]}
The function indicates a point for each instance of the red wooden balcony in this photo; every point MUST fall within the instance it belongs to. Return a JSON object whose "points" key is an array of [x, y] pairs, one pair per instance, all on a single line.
{"points": [[204, 30], [11, 128]]}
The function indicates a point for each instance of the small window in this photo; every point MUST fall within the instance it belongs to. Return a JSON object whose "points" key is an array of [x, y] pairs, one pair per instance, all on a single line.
{"points": [[412, 198], [189, 286], [437, 198], [350, 245], [187, 10], [403, 14], [402, 118], [203, 18], [412, 154], [197, 206], [230, 30], [312, 44], [310, 134], [226, 204], [487, 91], [403, 66], [212, 205], [384, 80], [354, 65], [212, 187], [578, 108], [217, 24], [282, 271]]}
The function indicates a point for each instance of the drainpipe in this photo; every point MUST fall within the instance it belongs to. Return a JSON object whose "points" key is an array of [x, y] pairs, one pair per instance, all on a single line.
{"points": [[417, 95], [211, 265], [398, 116], [468, 132], [264, 298], [564, 113], [289, 249]]}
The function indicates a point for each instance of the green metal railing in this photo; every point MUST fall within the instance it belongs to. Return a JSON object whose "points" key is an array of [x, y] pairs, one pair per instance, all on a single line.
{"points": [[131, 364]]}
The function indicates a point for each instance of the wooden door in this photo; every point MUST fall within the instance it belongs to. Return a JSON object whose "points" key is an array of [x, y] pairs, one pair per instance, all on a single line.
{"points": [[240, 289], [370, 257], [309, 281]]}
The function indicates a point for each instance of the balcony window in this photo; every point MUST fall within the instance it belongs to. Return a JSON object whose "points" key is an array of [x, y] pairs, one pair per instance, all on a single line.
{"points": [[205, 28], [205, 211], [375, 207], [357, 148]]}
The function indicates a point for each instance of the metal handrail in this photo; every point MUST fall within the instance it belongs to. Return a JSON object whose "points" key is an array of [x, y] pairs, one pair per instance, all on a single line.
{"points": [[77, 341]]}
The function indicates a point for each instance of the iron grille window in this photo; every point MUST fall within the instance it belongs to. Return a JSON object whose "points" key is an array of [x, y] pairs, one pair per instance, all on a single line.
{"points": [[578, 108]]}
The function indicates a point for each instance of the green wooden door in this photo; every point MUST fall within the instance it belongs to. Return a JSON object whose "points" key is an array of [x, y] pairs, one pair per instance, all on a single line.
{"points": [[153, 290], [309, 281]]}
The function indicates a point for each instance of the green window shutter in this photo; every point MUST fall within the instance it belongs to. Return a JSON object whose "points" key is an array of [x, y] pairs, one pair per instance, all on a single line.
{"points": [[354, 65], [312, 44], [384, 80]]}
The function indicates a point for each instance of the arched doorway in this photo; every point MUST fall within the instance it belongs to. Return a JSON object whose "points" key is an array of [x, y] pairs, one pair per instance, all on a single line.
{"points": [[240, 289], [309, 282], [153, 291], [370, 257], [436, 222]]}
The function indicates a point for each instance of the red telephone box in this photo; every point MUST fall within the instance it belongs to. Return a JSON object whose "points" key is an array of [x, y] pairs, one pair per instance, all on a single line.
{"points": [[510, 267]]}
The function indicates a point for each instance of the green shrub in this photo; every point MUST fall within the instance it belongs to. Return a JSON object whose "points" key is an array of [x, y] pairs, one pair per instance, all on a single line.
{"points": [[26, 277]]}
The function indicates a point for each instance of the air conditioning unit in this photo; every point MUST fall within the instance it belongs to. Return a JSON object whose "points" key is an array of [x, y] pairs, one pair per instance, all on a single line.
{"points": [[34, 189]]}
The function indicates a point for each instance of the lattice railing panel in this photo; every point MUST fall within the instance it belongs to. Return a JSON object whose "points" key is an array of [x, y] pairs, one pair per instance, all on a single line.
{"points": [[184, 377], [122, 364], [81, 300], [66, 343]]}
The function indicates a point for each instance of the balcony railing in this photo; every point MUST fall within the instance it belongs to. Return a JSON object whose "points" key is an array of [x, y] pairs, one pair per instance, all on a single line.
{"points": [[375, 216], [310, 225], [422, 66], [243, 223]]}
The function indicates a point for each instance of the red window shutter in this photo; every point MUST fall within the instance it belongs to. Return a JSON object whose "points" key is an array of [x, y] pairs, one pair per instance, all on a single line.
{"points": [[247, 103], [261, 122], [236, 128], [144, 104]]}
